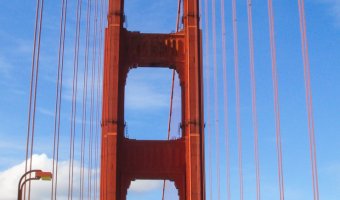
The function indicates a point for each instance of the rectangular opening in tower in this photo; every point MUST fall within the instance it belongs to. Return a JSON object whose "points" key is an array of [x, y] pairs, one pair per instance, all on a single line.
{"points": [[147, 104], [152, 189], [151, 16]]}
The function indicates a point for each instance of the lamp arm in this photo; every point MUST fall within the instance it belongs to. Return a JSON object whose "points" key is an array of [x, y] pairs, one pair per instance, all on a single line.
{"points": [[22, 177]]}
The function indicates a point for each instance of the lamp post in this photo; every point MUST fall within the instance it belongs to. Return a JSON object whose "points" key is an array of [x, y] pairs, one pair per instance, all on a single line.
{"points": [[39, 174]]}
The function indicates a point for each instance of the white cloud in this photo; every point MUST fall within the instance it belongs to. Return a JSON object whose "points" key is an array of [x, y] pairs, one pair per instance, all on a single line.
{"points": [[41, 190], [10, 177], [145, 185], [143, 96], [148, 88]]}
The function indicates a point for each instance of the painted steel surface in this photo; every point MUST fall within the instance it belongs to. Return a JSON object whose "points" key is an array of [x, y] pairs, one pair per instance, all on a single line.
{"points": [[124, 160]]}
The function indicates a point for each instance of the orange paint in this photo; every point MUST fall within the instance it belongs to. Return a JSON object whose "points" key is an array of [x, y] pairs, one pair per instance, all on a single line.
{"points": [[124, 160]]}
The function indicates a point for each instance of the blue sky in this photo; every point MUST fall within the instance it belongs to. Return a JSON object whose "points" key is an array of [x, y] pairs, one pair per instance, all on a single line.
{"points": [[151, 88]]}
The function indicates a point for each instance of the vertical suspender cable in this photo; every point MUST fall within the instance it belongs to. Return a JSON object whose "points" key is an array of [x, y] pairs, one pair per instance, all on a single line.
{"points": [[206, 30], [100, 46], [276, 98], [253, 97], [225, 98], [237, 85], [216, 98], [74, 100], [84, 102], [92, 110], [33, 87], [97, 117], [172, 90], [309, 102], [59, 86], [169, 122]]}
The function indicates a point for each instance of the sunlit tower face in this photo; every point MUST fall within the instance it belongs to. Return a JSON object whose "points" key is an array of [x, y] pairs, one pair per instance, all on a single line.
{"points": [[125, 160]]}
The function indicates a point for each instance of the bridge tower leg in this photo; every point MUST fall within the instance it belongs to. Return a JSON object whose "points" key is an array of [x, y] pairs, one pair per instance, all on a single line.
{"points": [[124, 160]]}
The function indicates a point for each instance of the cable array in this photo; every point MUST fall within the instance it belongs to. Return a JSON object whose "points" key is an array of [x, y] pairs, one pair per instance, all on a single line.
{"points": [[74, 101], [237, 89], [59, 87], [33, 89], [87, 138], [94, 35], [225, 97]]}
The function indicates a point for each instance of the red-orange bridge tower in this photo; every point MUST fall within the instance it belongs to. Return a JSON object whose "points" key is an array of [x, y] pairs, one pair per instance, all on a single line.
{"points": [[124, 160]]}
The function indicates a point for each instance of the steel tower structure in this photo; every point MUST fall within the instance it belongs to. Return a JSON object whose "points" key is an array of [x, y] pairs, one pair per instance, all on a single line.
{"points": [[124, 160]]}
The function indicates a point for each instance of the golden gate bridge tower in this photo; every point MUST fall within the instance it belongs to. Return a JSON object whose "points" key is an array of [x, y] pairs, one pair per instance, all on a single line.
{"points": [[124, 160]]}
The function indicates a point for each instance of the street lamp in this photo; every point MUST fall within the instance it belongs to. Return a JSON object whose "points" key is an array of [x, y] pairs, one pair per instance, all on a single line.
{"points": [[39, 174]]}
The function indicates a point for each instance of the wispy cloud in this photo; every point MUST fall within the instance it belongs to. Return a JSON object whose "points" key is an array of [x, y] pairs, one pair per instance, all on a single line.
{"points": [[5, 145], [143, 96], [148, 88], [64, 115], [145, 185], [5, 67], [46, 112], [334, 7], [329, 180], [333, 170]]}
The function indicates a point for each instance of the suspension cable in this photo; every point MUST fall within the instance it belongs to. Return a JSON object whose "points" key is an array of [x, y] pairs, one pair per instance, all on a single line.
{"points": [[59, 85], [225, 98], [92, 108], [215, 86], [276, 98], [100, 62], [237, 86], [309, 102], [172, 90], [84, 102], [74, 100], [33, 89], [253, 89], [98, 96], [206, 30]]}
